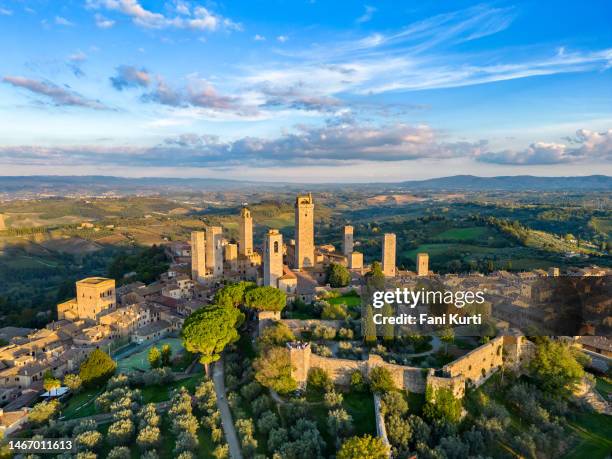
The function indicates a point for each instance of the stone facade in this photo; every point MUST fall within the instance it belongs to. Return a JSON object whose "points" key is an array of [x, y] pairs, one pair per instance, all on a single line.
{"points": [[388, 255], [231, 257], [347, 241], [245, 232], [355, 260], [198, 256], [95, 295], [304, 232], [214, 250], [273, 258], [422, 263]]}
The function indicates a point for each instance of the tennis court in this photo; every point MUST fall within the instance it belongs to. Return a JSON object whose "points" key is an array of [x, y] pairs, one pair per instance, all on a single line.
{"points": [[139, 360]]}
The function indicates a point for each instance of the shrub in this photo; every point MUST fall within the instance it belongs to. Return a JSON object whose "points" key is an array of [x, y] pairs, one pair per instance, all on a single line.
{"points": [[319, 379], [381, 380], [119, 452], [97, 368]]}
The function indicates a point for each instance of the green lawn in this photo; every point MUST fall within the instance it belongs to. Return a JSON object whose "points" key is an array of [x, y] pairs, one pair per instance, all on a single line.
{"points": [[595, 433], [604, 386], [156, 394], [81, 404], [351, 301], [361, 407], [464, 234]]}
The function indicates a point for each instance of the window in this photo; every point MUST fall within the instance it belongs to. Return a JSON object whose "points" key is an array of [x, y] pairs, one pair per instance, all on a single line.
{"points": [[275, 246]]}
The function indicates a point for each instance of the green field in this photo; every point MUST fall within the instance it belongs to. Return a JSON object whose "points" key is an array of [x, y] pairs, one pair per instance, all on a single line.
{"points": [[595, 433], [463, 234], [351, 301], [139, 361]]}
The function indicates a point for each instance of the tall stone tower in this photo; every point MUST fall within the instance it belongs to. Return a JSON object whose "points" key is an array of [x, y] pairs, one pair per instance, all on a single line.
{"points": [[388, 255], [214, 250], [299, 356], [94, 295], [347, 240], [304, 231], [198, 256], [422, 263], [231, 257], [246, 232], [273, 258]]}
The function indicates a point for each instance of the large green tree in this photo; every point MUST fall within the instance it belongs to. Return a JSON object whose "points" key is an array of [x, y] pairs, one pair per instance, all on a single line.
{"points": [[265, 299], [441, 404], [232, 294], [97, 368], [154, 357], [273, 370], [555, 367], [338, 275], [365, 447], [208, 330]]}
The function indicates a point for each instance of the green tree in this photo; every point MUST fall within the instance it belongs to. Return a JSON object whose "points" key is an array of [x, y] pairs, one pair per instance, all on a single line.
{"points": [[208, 330], [388, 330], [441, 404], [336, 311], [265, 299], [43, 411], [155, 359], [319, 379], [368, 325], [50, 382], [273, 370], [96, 368], [381, 380], [276, 334], [365, 447], [73, 382], [166, 355], [555, 367], [232, 294], [338, 275]]}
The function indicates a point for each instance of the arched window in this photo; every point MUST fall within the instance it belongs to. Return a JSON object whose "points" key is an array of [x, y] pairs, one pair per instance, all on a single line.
{"points": [[275, 246]]}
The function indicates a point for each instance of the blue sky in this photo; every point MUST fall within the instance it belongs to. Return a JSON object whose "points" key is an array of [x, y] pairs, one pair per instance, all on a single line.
{"points": [[305, 90]]}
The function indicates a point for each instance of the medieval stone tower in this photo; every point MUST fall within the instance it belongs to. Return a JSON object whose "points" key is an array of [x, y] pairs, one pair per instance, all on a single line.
{"points": [[273, 258], [198, 256], [422, 263], [299, 356], [231, 257], [246, 232], [304, 232], [388, 255], [214, 250], [94, 295], [347, 240]]}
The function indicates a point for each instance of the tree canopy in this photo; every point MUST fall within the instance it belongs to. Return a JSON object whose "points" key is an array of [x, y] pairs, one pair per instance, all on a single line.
{"points": [[365, 447], [338, 275], [97, 368], [441, 404], [273, 370], [555, 367], [208, 330], [233, 294], [265, 299]]}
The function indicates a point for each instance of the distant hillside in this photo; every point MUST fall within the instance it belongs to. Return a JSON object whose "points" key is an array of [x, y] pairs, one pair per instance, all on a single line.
{"points": [[92, 185], [513, 183]]}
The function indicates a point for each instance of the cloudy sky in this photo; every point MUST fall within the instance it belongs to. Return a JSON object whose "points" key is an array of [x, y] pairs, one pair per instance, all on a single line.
{"points": [[305, 90]]}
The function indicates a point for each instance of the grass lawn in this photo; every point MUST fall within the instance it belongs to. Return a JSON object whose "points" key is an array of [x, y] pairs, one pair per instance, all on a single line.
{"points": [[361, 407], [604, 386], [81, 404], [351, 301], [595, 433], [156, 394], [463, 234]]}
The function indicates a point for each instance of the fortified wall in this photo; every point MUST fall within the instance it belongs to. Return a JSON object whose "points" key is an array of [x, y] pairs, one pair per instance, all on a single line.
{"points": [[473, 369]]}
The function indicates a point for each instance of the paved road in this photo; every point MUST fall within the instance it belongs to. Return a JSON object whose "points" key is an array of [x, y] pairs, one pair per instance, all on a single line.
{"points": [[226, 415]]}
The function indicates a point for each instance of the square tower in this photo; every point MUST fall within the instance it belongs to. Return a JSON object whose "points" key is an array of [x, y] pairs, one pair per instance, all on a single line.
{"points": [[388, 255], [347, 240], [273, 258], [231, 257], [422, 263], [214, 250], [304, 232], [245, 228], [94, 296], [198, 256]]}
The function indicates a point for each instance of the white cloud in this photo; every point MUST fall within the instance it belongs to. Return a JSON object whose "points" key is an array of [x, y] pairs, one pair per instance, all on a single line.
{"points": [[367, 15], [59, 20], [197, 18], [282, 38], [5, 12], [258, 37], [102, 22]]}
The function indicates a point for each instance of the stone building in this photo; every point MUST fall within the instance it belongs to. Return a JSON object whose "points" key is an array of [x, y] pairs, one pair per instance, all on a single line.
{"points": [[355, 260], [422, 263], [273, 258], [347, 241], [94, 296], [231, 257], [245, 229], [214, 250], [388, 255], [304, 232], [198, 256]]}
